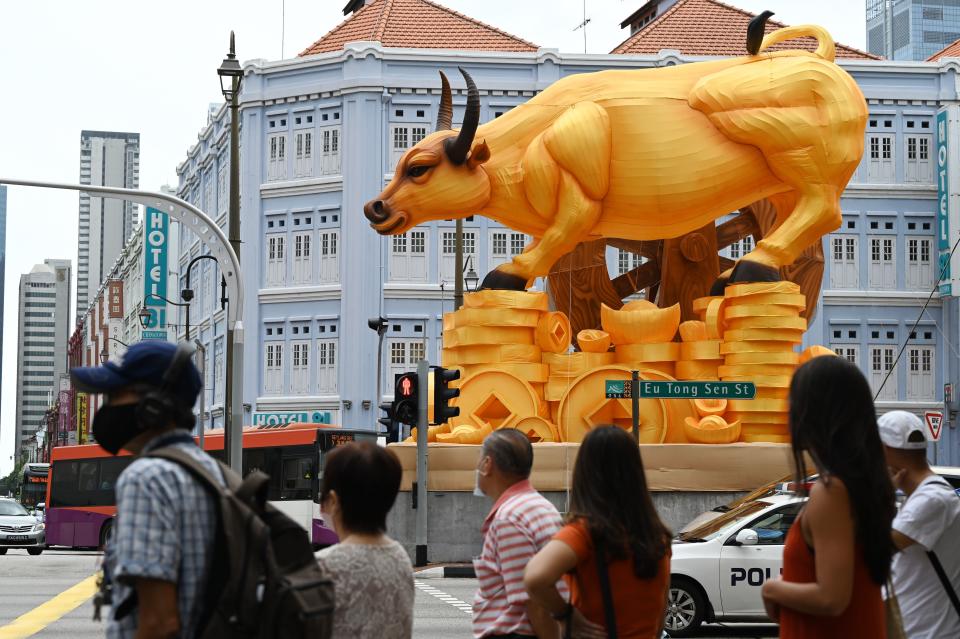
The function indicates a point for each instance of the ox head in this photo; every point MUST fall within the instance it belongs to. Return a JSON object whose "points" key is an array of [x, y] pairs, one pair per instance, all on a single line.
{"points": [[440, 177]]}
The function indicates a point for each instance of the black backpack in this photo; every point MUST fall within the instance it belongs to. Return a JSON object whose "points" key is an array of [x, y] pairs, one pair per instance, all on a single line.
{"points": [[264, 581]]}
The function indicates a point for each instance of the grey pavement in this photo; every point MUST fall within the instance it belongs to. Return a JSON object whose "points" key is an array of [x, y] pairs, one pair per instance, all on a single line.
{"points": [[441, 606]]}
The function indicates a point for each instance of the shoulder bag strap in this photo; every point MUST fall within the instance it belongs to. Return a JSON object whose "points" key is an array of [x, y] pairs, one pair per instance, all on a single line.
{"points": [[609, 614], [941, 573]]}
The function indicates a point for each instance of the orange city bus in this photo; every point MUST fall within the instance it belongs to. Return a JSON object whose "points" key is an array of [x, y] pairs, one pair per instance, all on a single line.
{"points": [[81, 504]]}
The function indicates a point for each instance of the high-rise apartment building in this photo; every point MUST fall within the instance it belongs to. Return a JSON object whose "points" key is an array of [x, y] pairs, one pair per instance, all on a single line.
{"points": [[44, 325], [911, 29], [107, 158]]}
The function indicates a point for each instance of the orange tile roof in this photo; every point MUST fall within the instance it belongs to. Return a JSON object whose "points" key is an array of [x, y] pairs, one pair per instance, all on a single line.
{"points": [[952, 50], [418, 24], [710, 27]]}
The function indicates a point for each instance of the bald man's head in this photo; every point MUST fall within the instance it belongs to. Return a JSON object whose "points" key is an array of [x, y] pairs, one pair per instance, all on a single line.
{"points": [[510, 451]]}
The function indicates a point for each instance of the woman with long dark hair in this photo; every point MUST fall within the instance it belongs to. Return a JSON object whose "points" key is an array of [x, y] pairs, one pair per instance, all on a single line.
{"points": [[612, 527], [837, 554]]}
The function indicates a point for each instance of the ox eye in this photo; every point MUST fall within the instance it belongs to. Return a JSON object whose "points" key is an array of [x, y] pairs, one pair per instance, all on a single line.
{"points": [[417, 171]]}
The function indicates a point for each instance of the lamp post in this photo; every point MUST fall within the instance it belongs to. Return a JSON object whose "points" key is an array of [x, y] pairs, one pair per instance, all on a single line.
{"points": [[379, 324], [105, 353], [146, 315], [471, 279], [231, 76]]}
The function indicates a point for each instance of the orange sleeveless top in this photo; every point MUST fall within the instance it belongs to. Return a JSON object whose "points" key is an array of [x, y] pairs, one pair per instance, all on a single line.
{"points": [[863, 619]]}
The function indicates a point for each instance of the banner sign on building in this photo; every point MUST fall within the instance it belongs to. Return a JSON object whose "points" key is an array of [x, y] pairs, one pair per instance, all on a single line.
{"points": [[81, 418], [115, 296], [943, 203], [294, 417], [155, 273]]}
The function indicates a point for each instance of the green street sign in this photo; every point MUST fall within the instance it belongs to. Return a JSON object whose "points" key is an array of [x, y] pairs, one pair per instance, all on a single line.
{"points": [[618, 389], [698, 390]]}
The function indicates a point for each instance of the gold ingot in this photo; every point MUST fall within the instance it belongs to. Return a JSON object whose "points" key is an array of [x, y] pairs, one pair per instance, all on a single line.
{"points": [[496, 317], [787, 357], [714, 317], [816, 351], [527, 372], [700, 304], [538, 429], [465, 435], [585, 408], [705, 407], [664, 352], [792, 336], [706, 349], [797, 302], [575, 364], [764, 381], [639, 305], [496, 298], [554, 332], [667, 368], [778, 418], [788, 323], [761, 288], [711, 429], [479, 335], [745, 371], [593, 341], [494, 354], [759, 405], [642, 326], [693, 331], [758, 310], [698, 369], [729, 348]]}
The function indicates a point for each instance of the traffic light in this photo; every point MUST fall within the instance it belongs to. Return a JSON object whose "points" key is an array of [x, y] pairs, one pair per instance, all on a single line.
{"points": [[405, 399], [442, 394], [389, 422]]}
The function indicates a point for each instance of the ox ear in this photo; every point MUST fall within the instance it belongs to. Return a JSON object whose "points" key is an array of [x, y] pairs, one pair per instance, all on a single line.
{"points": [[479, 154]]}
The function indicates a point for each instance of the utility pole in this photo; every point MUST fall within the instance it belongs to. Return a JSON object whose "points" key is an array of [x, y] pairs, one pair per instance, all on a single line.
{"points": [[458, 267], [423, 379]]}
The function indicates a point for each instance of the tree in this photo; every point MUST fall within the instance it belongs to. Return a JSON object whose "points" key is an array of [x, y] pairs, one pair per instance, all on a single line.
{"points": [[11, 483]]}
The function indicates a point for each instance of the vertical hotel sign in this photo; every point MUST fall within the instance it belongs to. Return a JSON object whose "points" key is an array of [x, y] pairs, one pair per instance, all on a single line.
{"points": [[155, 273], [943, 203]]}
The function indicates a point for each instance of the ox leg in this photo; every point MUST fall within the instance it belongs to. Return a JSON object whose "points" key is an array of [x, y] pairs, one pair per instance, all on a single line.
{"points": [[576, 216]]}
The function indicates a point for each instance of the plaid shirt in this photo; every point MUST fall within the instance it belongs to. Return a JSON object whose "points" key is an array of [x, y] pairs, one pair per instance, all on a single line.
{"points": [[165, 528]]}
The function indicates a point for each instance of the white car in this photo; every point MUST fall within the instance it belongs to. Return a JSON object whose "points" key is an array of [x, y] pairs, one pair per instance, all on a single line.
{"points": [[717, 568]]}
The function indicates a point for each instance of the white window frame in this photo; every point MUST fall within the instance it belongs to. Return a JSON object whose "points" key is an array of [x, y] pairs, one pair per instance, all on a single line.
{"points": [[276, 272], [740, 248], [300, 367], [303, 257], [273, 368], [850, 352], [328, 252], [882, 262], [921, 373], [919, 271], [448, 251], [881, 358], [627, 261], [844, 256], [303, 153], [408, 256], [330, 150], [504, 246], [881, 162], [403, 354], [327, 370], [403, 137], [218, 370], [917, 163], [277, 156]]}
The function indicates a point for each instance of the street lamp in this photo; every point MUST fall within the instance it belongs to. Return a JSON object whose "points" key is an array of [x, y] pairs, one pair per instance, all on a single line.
{"points": [[146, 316], [187, 293], [231, 76], [105, 353], [471, 279], [379, 324]]}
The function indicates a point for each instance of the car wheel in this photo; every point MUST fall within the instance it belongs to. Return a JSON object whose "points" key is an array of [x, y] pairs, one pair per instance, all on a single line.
{"points": [[106, 531], [686, 608], [34, 551]]}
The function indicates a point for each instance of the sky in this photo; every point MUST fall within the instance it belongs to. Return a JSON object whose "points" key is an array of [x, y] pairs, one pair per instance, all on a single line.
{"points": [[150, 67]]}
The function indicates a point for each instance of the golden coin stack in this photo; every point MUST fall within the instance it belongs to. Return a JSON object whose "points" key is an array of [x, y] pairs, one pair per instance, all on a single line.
{"points": [[567, 367], [700, 357], [643, 334], [761, 325]]}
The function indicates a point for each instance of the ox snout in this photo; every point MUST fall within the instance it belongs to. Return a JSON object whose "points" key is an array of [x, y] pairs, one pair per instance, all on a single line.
{"points": [[382, 218]]}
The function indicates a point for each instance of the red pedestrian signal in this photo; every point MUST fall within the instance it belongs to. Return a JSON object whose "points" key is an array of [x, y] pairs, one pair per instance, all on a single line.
{"points": [[405, 399], [406, 387]]}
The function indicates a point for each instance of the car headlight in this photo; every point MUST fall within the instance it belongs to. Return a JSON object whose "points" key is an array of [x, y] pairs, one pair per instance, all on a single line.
{"points": [[39, 527]]}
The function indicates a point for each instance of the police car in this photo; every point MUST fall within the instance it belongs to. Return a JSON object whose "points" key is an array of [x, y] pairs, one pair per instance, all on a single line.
{"points": [[718, 567]]}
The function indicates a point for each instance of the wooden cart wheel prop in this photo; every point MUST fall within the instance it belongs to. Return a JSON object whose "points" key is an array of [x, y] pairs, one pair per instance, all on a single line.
{"points": [[674, 271], [586, 407]]}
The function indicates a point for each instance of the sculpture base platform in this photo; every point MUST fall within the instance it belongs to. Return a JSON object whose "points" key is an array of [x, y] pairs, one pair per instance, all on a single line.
{"points": [[670, 467]]}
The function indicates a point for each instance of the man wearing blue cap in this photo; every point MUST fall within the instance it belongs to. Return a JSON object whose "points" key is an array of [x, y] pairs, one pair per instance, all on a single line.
{"points": [[160, 554]]}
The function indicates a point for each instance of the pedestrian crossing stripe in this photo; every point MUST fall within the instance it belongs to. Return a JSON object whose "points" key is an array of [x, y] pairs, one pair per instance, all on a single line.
{"points": [[442, 596]]}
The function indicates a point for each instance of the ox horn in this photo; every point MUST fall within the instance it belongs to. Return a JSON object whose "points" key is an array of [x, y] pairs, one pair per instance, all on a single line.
{"points": [[458, 149], [445, 112]]}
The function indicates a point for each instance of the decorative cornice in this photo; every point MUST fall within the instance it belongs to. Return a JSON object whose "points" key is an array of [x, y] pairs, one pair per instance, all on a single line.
{"points": [[912, 299], [299, 294], [309, 186]]}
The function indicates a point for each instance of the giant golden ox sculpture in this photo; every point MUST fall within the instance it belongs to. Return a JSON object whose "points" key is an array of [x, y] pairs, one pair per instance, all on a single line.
{"points": [[647, 154]]}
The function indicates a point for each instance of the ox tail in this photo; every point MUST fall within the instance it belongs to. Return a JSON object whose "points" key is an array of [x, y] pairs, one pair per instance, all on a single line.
{"points": [[758, 42]]}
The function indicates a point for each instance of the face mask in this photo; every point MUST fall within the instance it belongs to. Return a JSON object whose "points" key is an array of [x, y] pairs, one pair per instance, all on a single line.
{"points": [[477, 492], [114, 426]]}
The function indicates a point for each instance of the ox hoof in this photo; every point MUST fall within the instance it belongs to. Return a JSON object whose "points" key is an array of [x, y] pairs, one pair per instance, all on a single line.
{"points": [[499, 280], [719, 285], [746, 272]]}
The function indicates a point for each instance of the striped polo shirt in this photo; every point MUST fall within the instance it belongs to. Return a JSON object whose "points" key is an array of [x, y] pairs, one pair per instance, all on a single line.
{"points": [[519, 524]]}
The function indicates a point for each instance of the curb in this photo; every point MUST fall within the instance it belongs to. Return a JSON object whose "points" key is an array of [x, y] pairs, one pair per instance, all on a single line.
{"points": [[446, 572]]}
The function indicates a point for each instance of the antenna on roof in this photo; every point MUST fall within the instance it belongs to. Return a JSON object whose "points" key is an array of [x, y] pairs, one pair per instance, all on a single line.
{"points": [[583, 25]]}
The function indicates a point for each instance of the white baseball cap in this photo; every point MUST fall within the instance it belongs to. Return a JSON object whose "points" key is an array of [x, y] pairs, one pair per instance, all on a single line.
{"points": [[902, 430]]}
